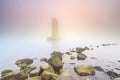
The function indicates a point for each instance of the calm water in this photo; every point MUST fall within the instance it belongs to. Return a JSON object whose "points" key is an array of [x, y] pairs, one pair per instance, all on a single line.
{"points": [[13, 49]]}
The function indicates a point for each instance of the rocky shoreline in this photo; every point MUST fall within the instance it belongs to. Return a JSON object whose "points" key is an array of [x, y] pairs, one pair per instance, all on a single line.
{"points": [[54, 67]]}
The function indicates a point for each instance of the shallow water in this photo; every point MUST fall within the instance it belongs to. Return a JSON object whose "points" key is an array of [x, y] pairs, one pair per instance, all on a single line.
{"points": [[12, 50]]}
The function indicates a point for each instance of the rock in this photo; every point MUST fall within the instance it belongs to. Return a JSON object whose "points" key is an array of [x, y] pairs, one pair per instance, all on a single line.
{"points": [[59, 54], [93, 58], [84, 70], [81, 56], [56, 63], [117, 68], [35, 78], [118, 60], [24, 62], [49, 76], [28, 69], [98, 68], [98, 46], [113, 74], [68, 53], [72, 50], [80, 49], [21, 76], [48, 68], [7, 73], [43, 59], [34, 73], [72, 63], [9, 77], [72, 57]]}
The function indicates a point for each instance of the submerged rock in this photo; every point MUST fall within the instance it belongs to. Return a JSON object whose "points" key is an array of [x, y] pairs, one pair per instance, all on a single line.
{"points": [[81, 56], [113, 74], [68, 53], [84, 70], [24, 62], [98, 68], [80, 49], [49, 76]]}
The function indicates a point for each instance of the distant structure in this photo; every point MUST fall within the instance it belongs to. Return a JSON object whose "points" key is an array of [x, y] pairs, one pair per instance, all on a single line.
{"points": [[55, 35]]}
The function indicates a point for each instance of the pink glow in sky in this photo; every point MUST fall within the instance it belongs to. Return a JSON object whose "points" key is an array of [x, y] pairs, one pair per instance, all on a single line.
{"points": [[77, 15]]}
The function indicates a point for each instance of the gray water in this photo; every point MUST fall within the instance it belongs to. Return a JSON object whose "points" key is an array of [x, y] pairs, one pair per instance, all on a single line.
{"points": [[14, 49]]}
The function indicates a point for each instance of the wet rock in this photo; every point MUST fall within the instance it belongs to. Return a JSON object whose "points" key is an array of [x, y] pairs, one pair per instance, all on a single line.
{"points": [[72, 57], [34, 73], [43, 59], [68, 53], [80, 49], [59, 54], [28, 69], [98, 68], [9, 77], [113, 74], [56, 62], [35, 78], [49, 76], [7, 73], [21, 76], [24, 62], [48, 68], [81, 56], [84, 70]]}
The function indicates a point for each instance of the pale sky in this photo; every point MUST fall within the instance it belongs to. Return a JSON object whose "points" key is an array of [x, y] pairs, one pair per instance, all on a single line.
{"points": [[73, 14]]}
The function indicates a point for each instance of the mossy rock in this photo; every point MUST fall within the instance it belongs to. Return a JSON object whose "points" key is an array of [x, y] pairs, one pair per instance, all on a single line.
{"points": [[24, 62], [84, 70], [7, 73], [49, 76], [35, 78], [59, 54], [56, 63], [48, 68], [81, 56]]}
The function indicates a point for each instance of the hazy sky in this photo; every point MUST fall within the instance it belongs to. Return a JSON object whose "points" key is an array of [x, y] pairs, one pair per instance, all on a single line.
{"points": [[77, 15]]}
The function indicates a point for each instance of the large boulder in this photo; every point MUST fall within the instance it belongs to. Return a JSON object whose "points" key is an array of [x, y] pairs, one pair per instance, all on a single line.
{"points": [[81, 56], [84, 70], [56, 63], [24, 62], [49, 76]]}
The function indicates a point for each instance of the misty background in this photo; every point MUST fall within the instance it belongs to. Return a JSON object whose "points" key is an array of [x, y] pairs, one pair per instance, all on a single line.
{"points": [[76, 18]]}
